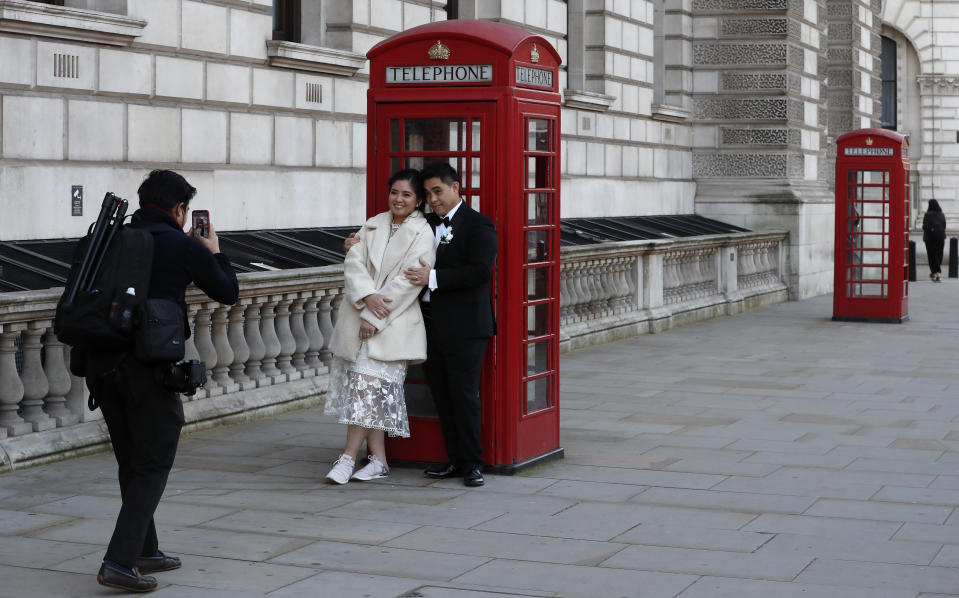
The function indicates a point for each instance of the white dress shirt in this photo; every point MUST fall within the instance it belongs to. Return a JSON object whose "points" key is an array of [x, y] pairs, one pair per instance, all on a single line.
{"points": [[438, 234]]}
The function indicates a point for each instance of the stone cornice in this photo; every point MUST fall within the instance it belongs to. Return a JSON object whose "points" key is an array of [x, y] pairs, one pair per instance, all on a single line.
{"points": [[674, 114], [32, 18], [939, 83], [304, 57], [587, 100]]}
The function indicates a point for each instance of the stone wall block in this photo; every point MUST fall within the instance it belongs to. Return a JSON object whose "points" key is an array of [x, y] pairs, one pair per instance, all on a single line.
{"points": [[153, 134], [16, 67], [65, 66], [273, 88], [229, 83], [32, 127], [126, 73], [95, 130], [203, 27], [179, 78], [161, 18], [249, 32], [739, 54], [204, 134], [251, 138]]}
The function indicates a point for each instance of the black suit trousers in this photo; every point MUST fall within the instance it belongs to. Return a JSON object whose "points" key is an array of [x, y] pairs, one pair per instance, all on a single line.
{"points": [[453, 370], [144, 420]]}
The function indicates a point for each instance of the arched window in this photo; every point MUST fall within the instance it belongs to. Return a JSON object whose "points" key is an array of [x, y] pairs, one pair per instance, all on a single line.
{"points": [[889, 83]]}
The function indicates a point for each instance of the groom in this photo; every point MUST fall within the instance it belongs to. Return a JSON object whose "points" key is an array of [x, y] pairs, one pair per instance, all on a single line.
{"points": [[458, 313]]}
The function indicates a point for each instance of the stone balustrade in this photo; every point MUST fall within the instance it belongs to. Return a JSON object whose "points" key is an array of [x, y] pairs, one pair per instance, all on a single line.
{"points": [[617, 290], [270, 351]]}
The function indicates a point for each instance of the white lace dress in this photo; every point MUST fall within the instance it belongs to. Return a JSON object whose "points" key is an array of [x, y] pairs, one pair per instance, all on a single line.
{"points": [[369, 392]]}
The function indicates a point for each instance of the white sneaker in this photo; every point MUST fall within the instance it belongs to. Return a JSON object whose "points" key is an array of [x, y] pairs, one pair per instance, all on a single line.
{"points": [[342, 468], [373, 470]]}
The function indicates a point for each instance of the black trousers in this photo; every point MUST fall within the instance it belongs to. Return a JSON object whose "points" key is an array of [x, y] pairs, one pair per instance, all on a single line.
{"points": [[453, 370], [144, 420], [934, 251]]}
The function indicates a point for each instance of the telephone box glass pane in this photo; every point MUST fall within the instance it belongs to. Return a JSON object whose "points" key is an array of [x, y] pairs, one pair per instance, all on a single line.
{"points": [[537, 358], [537, 394], [537, 205], [435, 135], [867, 233], [537, 286], [537, 246], [537, 139], [475, 173], [537, 175], [477, 135], [537, 320], [394, 135], [419, 401]]}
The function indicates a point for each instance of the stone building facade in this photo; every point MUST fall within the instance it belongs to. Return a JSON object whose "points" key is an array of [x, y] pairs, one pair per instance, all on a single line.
{"points": [[725, 108]]}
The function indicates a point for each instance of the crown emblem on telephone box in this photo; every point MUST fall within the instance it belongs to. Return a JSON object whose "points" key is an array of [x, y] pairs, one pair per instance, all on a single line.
{"points": [[439, 51], [534, 54], [868, 140]]}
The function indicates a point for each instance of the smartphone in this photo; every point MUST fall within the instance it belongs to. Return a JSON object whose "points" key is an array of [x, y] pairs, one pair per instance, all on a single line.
{"points": [[201, 223]]}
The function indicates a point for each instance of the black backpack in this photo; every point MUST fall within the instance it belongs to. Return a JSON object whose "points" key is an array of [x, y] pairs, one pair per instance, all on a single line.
{"points": [[108, 310]]}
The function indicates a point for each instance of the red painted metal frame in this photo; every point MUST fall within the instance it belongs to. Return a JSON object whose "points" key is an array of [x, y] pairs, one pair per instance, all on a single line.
{"points": [[511, 437], [894, 306]]}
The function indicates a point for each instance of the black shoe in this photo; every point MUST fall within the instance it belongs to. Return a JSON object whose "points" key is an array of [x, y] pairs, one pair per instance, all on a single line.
{"points": [[115, 578], [154, 564], [441, 472], [473, 477]]}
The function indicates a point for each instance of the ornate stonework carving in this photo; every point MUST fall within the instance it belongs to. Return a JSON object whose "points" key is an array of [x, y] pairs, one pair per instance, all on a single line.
{"points": [[745, 53], [750, 81], [739, 5], [777, 136], [840, 32], [748, 109], [740, 165], [759, 27], [948, 84]]}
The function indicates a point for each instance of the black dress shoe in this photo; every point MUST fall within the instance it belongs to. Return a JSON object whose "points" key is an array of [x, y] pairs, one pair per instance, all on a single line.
{"points": [[115, 578], [473, 477], [441, 472], [154, 564]]}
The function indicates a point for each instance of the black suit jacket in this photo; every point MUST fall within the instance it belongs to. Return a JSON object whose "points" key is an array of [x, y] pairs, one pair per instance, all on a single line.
{"points": [[461, 305]]}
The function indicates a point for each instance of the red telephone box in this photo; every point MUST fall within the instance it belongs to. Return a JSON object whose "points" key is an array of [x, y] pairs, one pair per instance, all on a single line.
{"points": [[871, 268], [484, 96]]}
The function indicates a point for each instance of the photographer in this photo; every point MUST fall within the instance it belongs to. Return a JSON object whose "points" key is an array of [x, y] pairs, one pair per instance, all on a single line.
{"points": [[143, 414]]}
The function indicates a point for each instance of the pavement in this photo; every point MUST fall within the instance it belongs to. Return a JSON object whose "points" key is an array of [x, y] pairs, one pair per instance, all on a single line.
{"points": [[771, 454]]}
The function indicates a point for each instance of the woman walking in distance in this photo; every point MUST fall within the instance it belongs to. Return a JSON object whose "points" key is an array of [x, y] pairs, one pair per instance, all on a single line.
{"points": [[379, 329], [934, 236]]}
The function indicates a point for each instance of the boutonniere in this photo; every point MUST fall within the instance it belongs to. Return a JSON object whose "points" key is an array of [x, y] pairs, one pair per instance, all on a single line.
{"points": [[447, 236]]}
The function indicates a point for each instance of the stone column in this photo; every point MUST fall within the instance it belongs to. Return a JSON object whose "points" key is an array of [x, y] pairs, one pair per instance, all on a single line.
{"points": [[11, 387], [35, 385], [326, 323], [284, 333], [59, 379], [224, 350], [271, 341], [241, 350], [298, 328], [311, 324], [206, 348], [255, 341]]}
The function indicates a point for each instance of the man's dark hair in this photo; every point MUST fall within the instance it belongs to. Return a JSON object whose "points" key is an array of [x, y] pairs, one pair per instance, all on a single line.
{"points": [[413, 177], [164, 189], [442, 171]]}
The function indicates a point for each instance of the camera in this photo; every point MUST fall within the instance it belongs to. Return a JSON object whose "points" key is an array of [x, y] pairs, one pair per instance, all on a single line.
{"points": [[184, 377]]}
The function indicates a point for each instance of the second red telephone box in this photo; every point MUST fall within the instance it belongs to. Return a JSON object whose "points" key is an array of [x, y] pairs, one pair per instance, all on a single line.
{"points": [[871, 270], [484, 96]]}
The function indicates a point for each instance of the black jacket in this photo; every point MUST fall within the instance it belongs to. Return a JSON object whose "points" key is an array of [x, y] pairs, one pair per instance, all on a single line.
{"points": [[178, 260], [934, 226], [461, 305]]}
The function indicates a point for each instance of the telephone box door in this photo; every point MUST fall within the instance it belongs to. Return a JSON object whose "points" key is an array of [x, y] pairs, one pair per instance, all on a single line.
{"points": [[537, 384], [411, 136]]}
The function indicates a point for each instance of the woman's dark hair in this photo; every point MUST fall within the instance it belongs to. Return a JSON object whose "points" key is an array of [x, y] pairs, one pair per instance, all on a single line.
{"points": [[164, 189], [412, 176], [934, 206]]}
